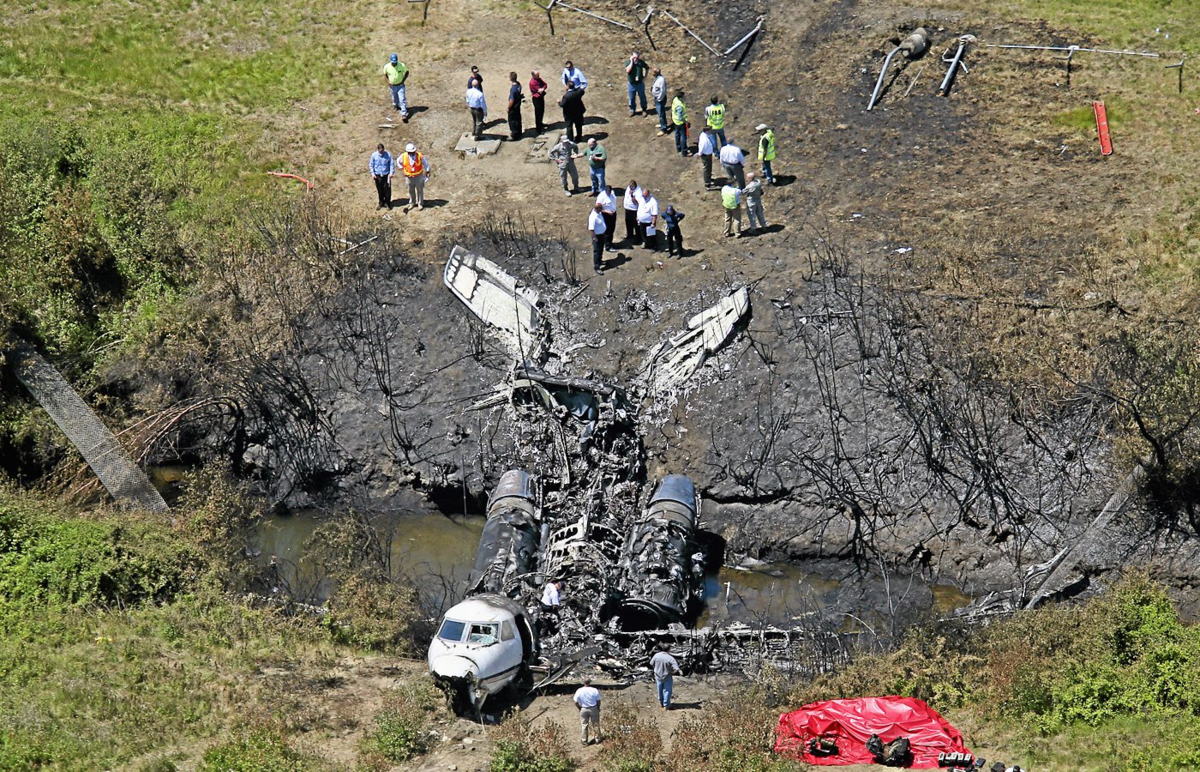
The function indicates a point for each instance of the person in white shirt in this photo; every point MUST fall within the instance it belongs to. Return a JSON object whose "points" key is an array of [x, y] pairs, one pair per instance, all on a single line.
{"points": [[658, 90], [587, 699], [733, 161], [633, 195], [647, 218], [573, 77], [597, 227], [550, 594], [706, 148], [608, 210], [478, 107]]}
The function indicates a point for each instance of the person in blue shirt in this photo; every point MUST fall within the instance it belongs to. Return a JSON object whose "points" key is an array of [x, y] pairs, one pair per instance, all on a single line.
{"points": [[573, 77], [478, 107], [671, 218], [382, 169]]}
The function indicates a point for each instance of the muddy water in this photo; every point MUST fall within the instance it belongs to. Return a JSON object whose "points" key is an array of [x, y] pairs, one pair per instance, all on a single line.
{"points": [[437, 551]]}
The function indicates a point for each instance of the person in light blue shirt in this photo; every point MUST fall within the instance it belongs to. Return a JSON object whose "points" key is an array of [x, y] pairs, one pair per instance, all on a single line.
{"points": [[478, 107], [573, 77], [382, 168]]}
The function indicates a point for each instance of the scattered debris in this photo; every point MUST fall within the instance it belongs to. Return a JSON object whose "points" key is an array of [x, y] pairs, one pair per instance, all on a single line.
{"points": [[674, 361], [1102, 127], [955, 63], [468, 145], [498, 300], [913, 46]]}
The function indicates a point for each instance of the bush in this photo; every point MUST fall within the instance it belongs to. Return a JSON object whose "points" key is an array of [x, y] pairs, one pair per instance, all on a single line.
{"points": [[631, 743], [735, 734], [258, 750], [520, 747], [402, 728]]}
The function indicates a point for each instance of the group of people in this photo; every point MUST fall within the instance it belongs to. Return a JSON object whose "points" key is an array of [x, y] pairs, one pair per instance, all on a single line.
{"points": [[587, 697], [643, 222], [574, 83], [413, 165]]}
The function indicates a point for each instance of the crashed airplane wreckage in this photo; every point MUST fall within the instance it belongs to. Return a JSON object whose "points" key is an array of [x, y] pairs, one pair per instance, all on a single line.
{"points": [[632, 566]]}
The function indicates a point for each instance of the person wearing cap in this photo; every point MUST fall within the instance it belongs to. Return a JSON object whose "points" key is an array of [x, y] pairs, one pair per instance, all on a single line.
{"points": [[563, 155], [679, 120], [714, 116], [766, 150], [752, 194], [515, 98], [635, 73], [416, 171], [597, 227], [397, 73], [706, 148], [608, 208], [731, 200], [382, 169], [475, 76], [537, 95], [658, 90], [733, 161], [478, 107], [573, 77]]}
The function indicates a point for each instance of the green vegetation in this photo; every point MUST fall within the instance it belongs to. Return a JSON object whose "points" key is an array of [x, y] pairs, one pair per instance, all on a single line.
{"points": [[259, 750], [402, 729], [521, 747]]}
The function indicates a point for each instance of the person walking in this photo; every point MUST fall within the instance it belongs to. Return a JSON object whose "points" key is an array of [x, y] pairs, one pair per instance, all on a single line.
{"points": [[733, 161], [597, 227], [647, 217], [537, 95], [396, 74], [633, 196], [573, 111], [658, 90], [573, 77], [752, 193], [563, 155], [665, 667], [635, 73], [478, 107], [706, 148], [475, 76], [608, 208], [714, 116], [731, 200], [515, 98], [766, 150], [671, 219], [382, 169], [587, 699], [596, 158], [679, 119], [416, 171]]}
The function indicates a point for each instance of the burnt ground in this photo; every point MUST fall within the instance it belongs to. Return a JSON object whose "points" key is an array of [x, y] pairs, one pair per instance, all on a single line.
{"points": [[961, 200]]}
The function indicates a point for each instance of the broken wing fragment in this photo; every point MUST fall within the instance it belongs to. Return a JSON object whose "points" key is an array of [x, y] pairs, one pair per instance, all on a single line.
{"points": [[672, 362], [497, 299]]}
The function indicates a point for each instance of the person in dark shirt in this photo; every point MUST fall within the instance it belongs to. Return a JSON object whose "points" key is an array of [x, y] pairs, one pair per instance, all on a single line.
{"points": [[537, 95], [475, 76], [671, 218], [515, 98], [573, 111]]}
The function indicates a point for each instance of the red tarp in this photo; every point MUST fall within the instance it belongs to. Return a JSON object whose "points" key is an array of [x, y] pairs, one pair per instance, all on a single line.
{"points": [[852, 722]]}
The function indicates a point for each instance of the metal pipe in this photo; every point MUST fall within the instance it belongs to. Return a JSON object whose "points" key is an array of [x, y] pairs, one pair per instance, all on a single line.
{"points": [[1076, 48], [879, 83], [595, 15], [962, 47], [688, 31], [749, 35]]}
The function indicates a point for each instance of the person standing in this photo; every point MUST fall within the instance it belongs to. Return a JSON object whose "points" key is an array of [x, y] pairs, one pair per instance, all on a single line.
{"points": [[679, 119], [596, 158], [733, 161], [706, 148], [766, 150], [665, 667], [647, 217], [573, 77], [608, 208], [635, 73], [633, 196], [573, 111], [587, 699], [475, 76], [550, 596], [658, 90], [478, 107], [671, 219], [563, 155], [537, 94], [597, 228], [382, 169], [754, 207], [397, 73], [416, 171], [515, 98], [714, 116], [731, 200]]}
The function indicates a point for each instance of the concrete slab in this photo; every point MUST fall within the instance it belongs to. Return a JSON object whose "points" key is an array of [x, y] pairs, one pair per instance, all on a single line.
{"points": [[469, 146]]}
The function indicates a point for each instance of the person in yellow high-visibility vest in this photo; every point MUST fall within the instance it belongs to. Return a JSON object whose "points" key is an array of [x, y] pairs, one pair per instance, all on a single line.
{"points": [[397, 73], [679, 119], [731, 200], [714, 116], [416, 171], [766, 150]]}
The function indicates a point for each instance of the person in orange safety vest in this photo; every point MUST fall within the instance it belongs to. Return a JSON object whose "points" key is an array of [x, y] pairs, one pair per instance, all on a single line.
{"points": [[416, 171]]}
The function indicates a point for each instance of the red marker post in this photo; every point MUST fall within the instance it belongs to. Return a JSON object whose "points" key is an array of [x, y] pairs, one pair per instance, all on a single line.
{"points": [[1102, 127]]}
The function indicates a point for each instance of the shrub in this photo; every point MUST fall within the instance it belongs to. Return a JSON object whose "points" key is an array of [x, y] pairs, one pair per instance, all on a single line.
{"points": [[735, 734], [631, 743], [258, 750], [402, 727], [521, 747]]}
